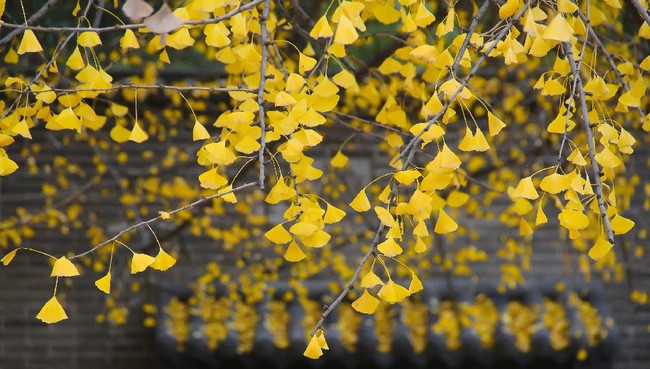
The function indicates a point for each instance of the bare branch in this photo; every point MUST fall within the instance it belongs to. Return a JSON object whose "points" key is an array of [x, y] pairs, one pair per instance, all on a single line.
{"points": [[152, 220]]}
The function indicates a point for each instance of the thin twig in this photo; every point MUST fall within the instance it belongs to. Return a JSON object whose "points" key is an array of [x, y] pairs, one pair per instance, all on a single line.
{"points": [[147, 222], [136, 87]]}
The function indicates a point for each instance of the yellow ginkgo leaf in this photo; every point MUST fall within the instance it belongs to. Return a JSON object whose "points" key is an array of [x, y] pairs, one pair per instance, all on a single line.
{"points": [[540, 217], [566, 6], [456, 199], [212, 180], [89, 39], [415, 285], [163, 261], [607, 159], [22, 129], [9, 257], [247, 145], [138, 134], [432, 107], [321, 29], [553, 87], [420, 246], [434, 132], [392, 292], [407, 176], [390, 248], [29, 43], [140, 262], [360, 203], [621, 225], [445, 224], [12, 58], [339, 160], [448, 160], [294, 82], [278, 235], [120, 133], [129, 41], [319, 238], [320, 336], [7, 166], [344, 78], [294, 253], [576, 158], [104, 283], [370, 280], [345, 31], [509, 9], [303, 228], [600, 248], [75, 61], [63, 267], [281, 191], [326, 88], [219, 154], [366, 303], [495, 125], [421, 229], [305, 63], [313, 350], [199, 132], [423, 17], [229, 197], [526, 189], [333, 214], [52, 312], [573, 220], [555, 183], [558, 30], [385, 217], [164, 215], [284, 99]]}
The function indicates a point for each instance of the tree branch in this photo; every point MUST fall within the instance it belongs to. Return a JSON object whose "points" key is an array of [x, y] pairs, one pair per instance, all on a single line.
{"points": [[590, 142], [260, 90], [119, 27], [642, 12], [152, 220]]}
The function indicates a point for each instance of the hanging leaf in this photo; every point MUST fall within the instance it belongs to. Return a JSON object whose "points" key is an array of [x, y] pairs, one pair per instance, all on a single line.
{"points": [[52, 312], [63, 267], [104, 283]]}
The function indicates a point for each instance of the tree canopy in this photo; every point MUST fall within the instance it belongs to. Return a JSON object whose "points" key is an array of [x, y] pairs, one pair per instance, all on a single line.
{"points": [[263, 112]]}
